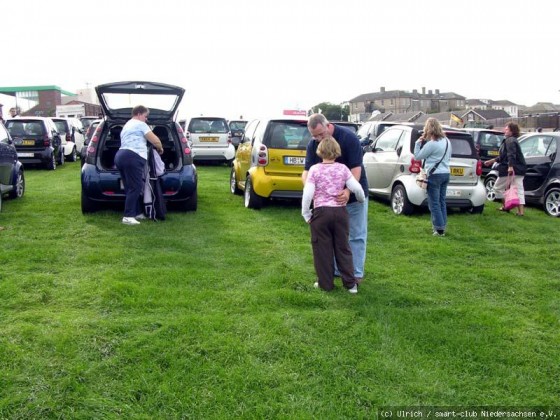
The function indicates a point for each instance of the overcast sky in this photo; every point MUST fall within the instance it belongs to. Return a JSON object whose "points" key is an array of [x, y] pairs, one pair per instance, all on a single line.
{"points": [[250, 57]]}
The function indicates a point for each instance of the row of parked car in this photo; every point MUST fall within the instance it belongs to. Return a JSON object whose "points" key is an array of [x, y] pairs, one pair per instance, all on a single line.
{"points": [[270, 156]]}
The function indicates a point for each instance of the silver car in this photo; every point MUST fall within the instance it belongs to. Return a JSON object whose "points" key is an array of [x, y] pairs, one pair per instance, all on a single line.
{"points": [[391, 171]]}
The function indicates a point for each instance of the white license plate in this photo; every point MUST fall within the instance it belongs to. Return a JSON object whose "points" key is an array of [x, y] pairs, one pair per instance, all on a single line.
{"points": [[293, 160], [25, 154], [453, 193]]}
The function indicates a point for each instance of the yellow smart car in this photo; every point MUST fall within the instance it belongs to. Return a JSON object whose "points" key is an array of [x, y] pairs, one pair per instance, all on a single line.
{"points": [[270, 159]]}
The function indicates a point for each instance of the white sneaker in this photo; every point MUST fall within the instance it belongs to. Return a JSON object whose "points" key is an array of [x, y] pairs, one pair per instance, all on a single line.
{"points": [[141, 216], [130, 221], [316, 285], [353, 289]]}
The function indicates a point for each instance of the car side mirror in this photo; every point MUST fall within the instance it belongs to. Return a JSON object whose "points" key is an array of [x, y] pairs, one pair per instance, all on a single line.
{"points": [[399, 150]]}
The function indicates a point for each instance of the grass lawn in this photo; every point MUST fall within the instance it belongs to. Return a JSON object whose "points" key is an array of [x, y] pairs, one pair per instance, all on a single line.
{"points": [[213, 314]]}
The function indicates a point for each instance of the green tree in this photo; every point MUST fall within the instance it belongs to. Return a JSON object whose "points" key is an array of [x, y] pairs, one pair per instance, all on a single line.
{"points": [[332, 111]]}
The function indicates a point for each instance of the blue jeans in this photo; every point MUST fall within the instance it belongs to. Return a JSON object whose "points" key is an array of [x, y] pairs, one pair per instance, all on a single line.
{"points": [[132, 167], [437, 190], [358, 218]]}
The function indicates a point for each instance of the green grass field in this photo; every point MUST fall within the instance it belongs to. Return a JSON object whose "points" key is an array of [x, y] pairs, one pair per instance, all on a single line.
{"points": [[213, 314]]}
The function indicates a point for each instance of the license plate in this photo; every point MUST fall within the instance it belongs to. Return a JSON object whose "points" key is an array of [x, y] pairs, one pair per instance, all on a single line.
{"points": [[293, 160], [453, 193], [209, 139], [25, 154], [28, 142], [493, 152], [457, 171]]}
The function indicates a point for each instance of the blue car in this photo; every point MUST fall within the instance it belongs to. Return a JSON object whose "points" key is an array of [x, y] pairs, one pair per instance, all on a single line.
{"points": [[12, 180], [101, 180]]}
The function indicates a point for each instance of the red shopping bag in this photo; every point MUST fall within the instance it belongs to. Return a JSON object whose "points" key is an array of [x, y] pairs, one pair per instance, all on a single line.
{"points": [[511, 198]]}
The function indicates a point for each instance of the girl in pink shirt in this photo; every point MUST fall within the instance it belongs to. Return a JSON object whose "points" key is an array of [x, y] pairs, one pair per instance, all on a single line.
{"points": [[329, 220]]}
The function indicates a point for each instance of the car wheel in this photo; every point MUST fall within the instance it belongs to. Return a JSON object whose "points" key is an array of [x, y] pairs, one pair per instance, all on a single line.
{"points": [[88, 205], [552, 202], [73, 156], [62, 157], [489, 183], [51, 165], [477, 209], [400, 202], [233, 183], [191, 204], [252, 199], [19, 186]]}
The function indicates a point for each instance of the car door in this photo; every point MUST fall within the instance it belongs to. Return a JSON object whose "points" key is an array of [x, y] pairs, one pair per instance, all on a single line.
{"points": [[382, 163], [243, 155], [539, 152], [8, 156]]}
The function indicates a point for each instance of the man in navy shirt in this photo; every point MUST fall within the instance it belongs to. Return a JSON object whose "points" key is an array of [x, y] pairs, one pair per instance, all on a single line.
{"points": [[352, 157]]}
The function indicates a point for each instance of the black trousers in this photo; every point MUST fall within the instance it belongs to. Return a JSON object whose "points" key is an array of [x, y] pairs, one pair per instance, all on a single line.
{"points": [[329, 240]]}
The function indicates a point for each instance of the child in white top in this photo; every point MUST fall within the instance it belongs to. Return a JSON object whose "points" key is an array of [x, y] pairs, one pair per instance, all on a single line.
{"points": [[329, 220]]}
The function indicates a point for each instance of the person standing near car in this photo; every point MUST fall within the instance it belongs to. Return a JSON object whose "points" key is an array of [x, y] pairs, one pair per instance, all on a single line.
{"points": [[433, 147], [131, 161], [329, 220], [510, 162], [351, 156]]}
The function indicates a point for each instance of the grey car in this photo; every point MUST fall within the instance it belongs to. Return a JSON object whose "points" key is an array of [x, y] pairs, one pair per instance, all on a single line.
{"points": [[391, 171]]}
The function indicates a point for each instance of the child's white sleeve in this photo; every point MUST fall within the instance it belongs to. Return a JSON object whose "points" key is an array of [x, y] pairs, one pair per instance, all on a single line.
{"points": [[356, 188], [308, 193]]}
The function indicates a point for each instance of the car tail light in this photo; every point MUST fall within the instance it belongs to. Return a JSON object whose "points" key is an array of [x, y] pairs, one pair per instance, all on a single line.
{"points": [[229, 137], [46, 141], [188, 135], [477, 147], [93, 144], [478, 167], [185, 145], [262, 158], [68, 137], [415, 166]]}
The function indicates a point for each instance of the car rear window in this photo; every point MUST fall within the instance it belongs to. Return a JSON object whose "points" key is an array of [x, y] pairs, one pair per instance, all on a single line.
{"points": [[490, 139], [208, 125], [21, 128], [462, 145], [60, 126], [287, 135]]}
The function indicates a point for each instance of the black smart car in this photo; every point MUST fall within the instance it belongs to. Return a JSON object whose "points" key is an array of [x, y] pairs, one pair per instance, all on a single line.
{"points": [[37, 141], [101, 180], [12, 180], [542, 180]]}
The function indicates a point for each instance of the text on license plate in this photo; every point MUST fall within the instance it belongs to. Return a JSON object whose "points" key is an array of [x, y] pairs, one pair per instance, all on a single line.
{"points": [[493, 152], [209, 139], [28, 142], [453, 193], [25, 154], [457, 171], [293, 160]]}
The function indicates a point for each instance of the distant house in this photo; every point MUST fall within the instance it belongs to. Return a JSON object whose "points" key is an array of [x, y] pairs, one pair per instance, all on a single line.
{"points": [[401, 102], [480, 116], [489, 104], [44, 100], [540, 108]]}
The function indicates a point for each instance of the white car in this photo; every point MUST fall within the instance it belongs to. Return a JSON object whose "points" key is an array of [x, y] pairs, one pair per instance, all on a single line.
{"points": [[391, 171], [72, 135], [211, 139]]}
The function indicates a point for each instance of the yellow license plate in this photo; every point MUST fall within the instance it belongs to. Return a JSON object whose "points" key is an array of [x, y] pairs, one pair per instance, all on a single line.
{"points": [[457, 171], [209, 139], [28, 143], [493, 152]]}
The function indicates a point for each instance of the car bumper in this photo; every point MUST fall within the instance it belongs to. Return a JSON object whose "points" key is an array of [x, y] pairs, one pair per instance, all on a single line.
{"points": [[105, 186], [460, 196], [213, 153], [276, 186], [34, 156]]}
